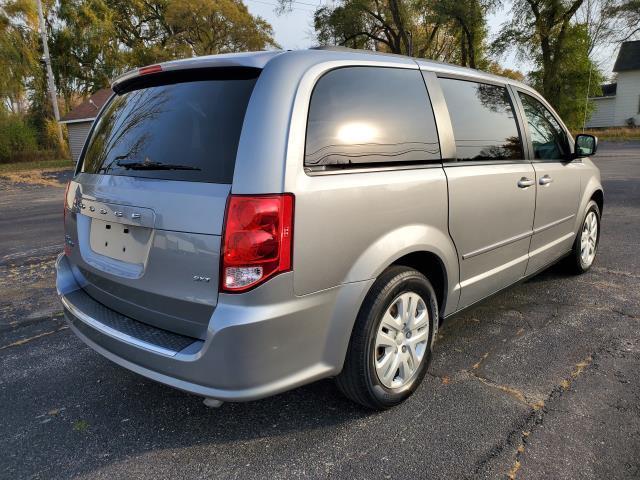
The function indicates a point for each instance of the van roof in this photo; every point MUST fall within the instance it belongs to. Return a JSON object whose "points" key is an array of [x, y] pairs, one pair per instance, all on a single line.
{"points": [[322, 54]]}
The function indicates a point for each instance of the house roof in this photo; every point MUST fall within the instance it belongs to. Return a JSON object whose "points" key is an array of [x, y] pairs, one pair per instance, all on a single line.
{"points": [[88, 109], [609, 90], [628, 57]]}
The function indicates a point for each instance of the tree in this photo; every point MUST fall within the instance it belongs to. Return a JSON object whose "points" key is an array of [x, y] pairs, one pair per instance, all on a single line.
{"points": [[85, 50], [365, 23], [626, 15], [539, 29], [580, 79], [495, 68], [216, 26], [448, 30], [545, 31], [469, 16], [117, 36], [596, 15], [18, 52], [92, 41]]}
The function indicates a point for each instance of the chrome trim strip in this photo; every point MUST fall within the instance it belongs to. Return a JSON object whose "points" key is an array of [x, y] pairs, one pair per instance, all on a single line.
{"points": [[553, 224], [549, 245], [493, 271], [112, 332], [499, 244]]}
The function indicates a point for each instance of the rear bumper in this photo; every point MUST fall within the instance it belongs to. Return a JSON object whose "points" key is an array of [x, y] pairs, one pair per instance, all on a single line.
{"points": [[257, 344]]}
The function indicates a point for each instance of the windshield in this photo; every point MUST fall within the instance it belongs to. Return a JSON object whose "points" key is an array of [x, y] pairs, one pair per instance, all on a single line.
{"points": [[183, 131]]}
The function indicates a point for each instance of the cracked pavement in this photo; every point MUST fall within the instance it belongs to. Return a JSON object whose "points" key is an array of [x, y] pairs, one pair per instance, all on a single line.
{"points": [[541, 381]]}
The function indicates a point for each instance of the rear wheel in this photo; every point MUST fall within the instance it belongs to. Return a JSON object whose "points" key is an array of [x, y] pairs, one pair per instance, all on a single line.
{"points": [[585, 246], [390, 347]]}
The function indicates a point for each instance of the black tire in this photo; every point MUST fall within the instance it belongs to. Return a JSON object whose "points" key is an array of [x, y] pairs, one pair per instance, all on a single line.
{"points": [[358, 380], [575, 262]]}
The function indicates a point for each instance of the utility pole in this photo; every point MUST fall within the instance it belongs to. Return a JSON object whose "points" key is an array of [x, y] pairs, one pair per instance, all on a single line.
{"points": [[586, 100], [410, 46], [47, 61]]}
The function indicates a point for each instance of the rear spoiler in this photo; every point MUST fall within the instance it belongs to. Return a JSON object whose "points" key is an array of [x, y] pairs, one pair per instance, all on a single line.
{"points": [[232, 61]]}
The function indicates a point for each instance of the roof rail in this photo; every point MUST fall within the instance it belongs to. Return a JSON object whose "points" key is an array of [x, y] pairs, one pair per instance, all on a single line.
{"points": [[340, 48]]}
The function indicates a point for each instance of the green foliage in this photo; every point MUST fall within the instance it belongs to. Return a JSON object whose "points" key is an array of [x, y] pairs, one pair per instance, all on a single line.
{"points": [[92, 41], [220, 26], [366, 23], [85, 66], [16, 137], [467, 19], [497, 69], [574, 86], [117, 36], [545, 32], [448, 30], [18, 51]]}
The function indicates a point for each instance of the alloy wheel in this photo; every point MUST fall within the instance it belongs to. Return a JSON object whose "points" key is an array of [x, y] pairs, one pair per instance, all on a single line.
{"points": [[589, 239]]}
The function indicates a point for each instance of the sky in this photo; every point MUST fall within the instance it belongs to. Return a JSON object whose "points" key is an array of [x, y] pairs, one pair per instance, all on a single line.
{"points": [[294, 30]]}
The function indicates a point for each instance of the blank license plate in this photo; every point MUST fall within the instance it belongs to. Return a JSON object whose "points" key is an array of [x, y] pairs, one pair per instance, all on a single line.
{"points": [[127, 243]]}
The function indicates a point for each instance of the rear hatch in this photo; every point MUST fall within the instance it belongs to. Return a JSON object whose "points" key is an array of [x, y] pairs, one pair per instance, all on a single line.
{"points": [[146, 209]]}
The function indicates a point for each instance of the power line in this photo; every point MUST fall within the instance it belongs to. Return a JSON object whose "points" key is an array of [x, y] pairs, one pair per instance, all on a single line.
{"points": [[293, 8]]}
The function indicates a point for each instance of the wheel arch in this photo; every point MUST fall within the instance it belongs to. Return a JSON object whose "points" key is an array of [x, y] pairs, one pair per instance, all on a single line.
{"points": [[425, 248], [432, 267], [592, 190], [598, 197]]}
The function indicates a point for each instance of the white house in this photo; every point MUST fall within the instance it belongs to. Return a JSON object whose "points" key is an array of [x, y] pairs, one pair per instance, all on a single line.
{"points": [[80, 119], [619, 104]]}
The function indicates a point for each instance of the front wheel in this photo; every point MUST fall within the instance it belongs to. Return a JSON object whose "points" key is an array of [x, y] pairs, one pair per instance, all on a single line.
{"points": [[390, 347], [585, 246]]}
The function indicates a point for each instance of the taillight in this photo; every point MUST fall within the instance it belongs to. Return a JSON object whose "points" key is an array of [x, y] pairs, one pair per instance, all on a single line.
{"points": [[257, 240], [64, 205], [64, 218]]}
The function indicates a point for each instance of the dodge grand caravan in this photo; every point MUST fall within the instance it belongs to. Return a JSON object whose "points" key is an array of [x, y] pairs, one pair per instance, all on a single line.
{"points": [[239, 225]]}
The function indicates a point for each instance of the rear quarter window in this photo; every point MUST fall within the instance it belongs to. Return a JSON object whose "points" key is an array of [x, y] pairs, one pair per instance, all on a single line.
{"points": [[185, 130], [365, 116]]}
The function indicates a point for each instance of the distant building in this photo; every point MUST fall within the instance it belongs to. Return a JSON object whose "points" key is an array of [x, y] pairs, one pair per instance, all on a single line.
{"points": [[80, 119], [620, 101]]}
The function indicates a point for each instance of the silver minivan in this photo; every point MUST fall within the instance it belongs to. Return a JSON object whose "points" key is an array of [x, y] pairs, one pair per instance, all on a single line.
{"points": [[240, 225]]}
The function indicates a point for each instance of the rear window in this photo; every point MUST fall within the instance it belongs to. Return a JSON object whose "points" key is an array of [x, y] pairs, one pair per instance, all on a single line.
{"points": [[364, 116], [185, 130]]}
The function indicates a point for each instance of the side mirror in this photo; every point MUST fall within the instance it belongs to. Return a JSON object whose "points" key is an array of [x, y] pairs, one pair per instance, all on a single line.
{"points": [[586, 145]]}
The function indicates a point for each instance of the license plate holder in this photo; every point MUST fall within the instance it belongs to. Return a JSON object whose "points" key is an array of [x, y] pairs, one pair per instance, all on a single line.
{"points": [[127, 243]]}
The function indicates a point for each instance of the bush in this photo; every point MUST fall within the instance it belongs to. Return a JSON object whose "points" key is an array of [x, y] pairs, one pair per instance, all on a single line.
{"points": [[19, 141], [16, 136]]}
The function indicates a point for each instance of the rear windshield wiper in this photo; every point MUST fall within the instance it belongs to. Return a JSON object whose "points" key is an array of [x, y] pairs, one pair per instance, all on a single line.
{"points": [[154, 166]]}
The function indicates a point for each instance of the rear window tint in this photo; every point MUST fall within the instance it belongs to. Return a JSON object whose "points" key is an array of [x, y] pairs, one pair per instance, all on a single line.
{"points": [[185, 131], [361, 116], [483, 121]]}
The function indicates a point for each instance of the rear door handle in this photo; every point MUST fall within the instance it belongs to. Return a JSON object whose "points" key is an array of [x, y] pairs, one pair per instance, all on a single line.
{"points": [[525, 182], [546, 180]]}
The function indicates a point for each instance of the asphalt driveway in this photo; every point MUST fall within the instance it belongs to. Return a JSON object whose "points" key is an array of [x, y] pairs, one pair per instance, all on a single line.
{"points": [[542, 381]]}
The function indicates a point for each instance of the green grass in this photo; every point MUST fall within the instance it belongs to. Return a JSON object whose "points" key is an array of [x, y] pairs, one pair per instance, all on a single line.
{"points": [[38, 165], [619, 134]]}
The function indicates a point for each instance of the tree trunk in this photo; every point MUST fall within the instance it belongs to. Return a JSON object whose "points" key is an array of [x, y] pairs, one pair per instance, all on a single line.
{"points": [[402, 38]]}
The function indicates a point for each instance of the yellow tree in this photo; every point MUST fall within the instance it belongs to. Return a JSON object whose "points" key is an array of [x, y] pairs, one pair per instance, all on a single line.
{"points": [[18, 51], [216, 26]]}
